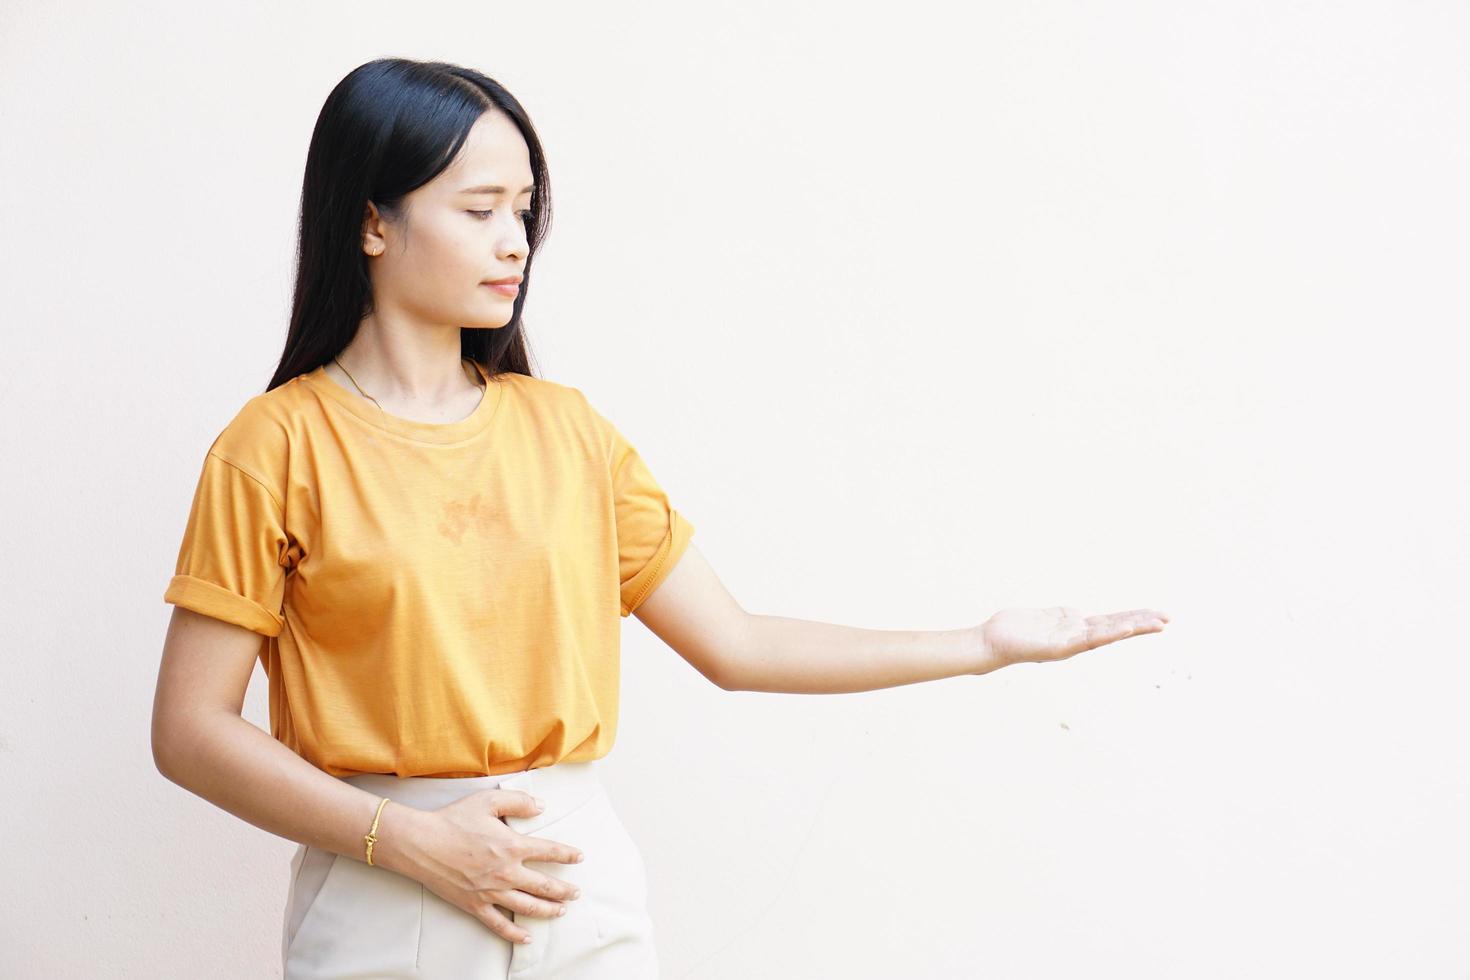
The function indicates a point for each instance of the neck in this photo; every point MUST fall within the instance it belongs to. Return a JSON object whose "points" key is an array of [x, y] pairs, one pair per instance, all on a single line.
{"points": [[410, 374]]}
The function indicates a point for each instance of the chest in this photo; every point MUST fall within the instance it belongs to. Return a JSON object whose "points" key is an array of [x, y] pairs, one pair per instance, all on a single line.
{"points": [[403, 533]]}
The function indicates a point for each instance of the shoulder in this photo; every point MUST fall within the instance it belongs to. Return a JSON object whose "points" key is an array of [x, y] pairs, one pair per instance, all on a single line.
{"points": [[544, 389], [258, 438], [567, 403]]}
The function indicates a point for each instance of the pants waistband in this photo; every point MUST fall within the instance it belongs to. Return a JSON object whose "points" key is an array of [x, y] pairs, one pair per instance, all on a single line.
{"points": [[563, 787]]}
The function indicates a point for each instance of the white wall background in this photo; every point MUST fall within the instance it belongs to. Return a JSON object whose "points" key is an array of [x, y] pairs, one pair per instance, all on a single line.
{"points": [[918, 312]]}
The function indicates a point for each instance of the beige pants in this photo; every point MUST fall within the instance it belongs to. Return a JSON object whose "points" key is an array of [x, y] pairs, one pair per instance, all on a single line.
{"points": [[345, 918]]}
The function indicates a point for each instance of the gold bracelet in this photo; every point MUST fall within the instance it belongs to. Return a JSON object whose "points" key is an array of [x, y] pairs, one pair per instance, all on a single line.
{"points": [[372, 835]]}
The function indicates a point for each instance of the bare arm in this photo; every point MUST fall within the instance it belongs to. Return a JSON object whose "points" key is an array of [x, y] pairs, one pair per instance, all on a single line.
{"points": [[694, 614], [463, 852], [201, 742], [800, 656]]}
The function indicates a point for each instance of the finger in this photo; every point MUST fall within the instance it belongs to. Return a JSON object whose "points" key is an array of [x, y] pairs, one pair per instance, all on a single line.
{"points": [[514, 803], [524, 903], [1119, 625], [1119, 617], [550, 850], [544, 885], [1110, 629], [499, 924], [1149, 617]]}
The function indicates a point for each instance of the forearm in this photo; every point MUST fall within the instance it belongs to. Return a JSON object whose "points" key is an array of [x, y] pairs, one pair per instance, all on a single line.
{"points": [[238, 767], [778, 654]]}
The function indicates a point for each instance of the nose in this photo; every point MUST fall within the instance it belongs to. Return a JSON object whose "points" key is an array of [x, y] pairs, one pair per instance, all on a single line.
{"points": [[513, 244]]}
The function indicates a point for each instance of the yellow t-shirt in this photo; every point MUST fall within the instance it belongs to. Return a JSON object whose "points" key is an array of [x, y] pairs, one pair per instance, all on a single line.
{"points": [[435, 599]]}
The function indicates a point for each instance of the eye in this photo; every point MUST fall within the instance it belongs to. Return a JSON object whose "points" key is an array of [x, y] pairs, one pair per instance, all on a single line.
{"points": [[482, 215]]}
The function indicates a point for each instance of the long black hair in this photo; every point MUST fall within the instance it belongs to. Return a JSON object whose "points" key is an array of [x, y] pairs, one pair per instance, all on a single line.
{"points": [[388, 127]]}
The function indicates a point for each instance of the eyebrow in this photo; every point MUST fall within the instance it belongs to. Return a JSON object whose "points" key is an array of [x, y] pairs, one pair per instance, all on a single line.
{"points": [[493, 189]]}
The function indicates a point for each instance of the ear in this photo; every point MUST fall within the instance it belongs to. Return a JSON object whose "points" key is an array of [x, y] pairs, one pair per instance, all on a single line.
{"points": [[373, 242]]}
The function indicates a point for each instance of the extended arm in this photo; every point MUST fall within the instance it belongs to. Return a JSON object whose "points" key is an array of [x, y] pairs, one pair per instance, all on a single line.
{"points": [[695, 614]]}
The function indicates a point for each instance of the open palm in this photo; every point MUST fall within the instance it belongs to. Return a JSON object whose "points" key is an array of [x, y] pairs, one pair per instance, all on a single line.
{"points": [[1022, 635]]}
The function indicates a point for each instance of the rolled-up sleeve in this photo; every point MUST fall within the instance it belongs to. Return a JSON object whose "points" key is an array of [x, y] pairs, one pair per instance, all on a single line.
{"points": [[235, 554], [652, 535]]}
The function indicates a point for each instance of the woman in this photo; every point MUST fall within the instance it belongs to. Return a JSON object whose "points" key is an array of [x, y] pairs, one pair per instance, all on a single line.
{"points": [[430, 551]]}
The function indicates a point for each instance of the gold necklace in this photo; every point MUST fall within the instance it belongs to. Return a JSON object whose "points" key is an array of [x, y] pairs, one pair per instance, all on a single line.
{"points": [[358, 386], [370, 397]]}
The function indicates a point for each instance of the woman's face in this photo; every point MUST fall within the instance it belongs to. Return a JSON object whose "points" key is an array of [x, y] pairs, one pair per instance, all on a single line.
{"points": [[462, 229]]}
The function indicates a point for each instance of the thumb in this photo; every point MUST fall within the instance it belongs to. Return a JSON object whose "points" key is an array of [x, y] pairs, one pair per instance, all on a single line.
{"points": [[515, 803]]}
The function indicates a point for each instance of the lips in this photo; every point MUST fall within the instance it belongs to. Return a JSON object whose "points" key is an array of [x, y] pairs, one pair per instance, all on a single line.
{"points": [[507, 281]]}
